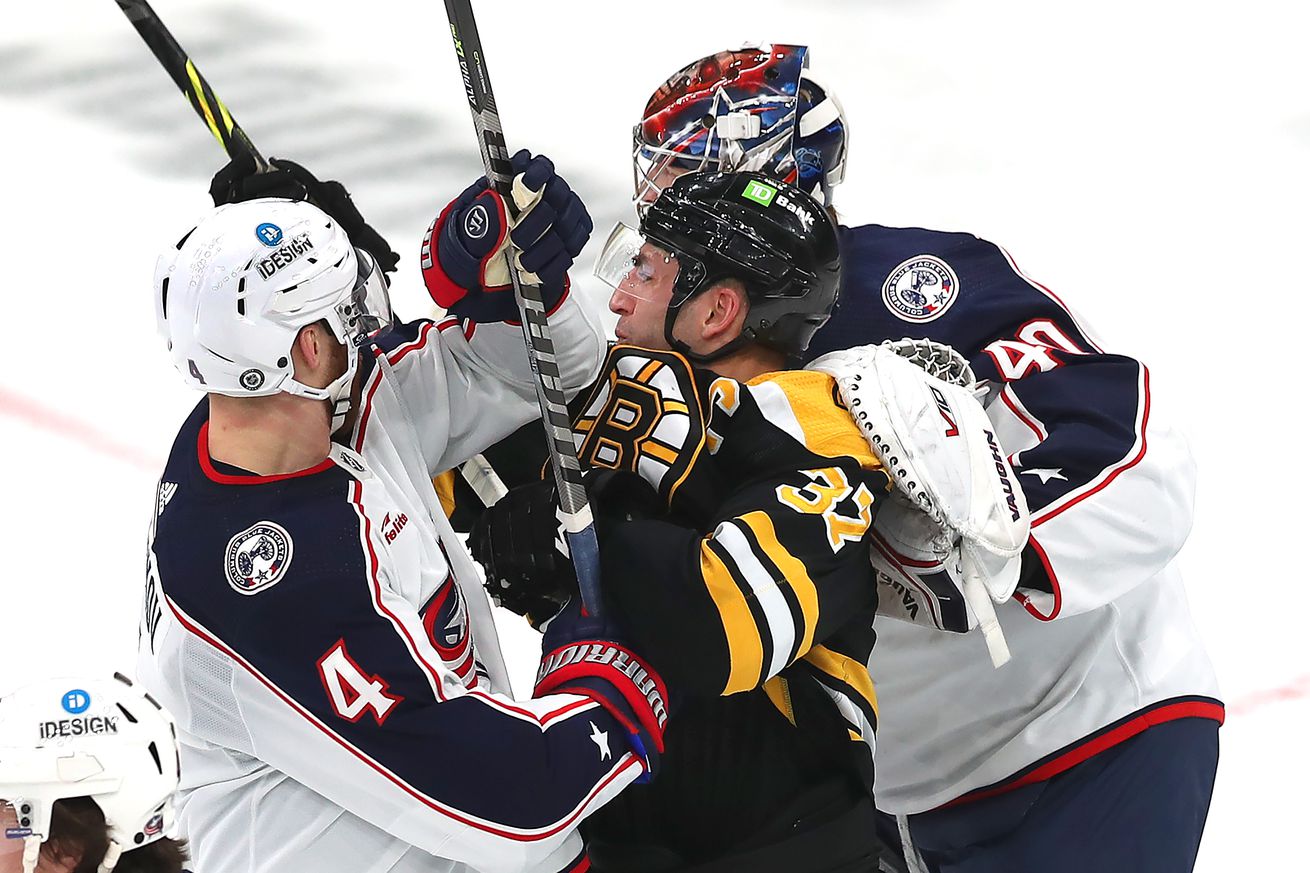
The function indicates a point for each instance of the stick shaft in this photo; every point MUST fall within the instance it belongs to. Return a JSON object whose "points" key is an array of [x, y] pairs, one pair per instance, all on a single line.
{"points": [[188, 79], [536, 332]]}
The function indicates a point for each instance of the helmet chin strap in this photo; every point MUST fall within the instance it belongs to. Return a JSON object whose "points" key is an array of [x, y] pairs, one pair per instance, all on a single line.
{"points": [[111, 858], [740, 341], [32, 855], [31, 852], [336, 393]]}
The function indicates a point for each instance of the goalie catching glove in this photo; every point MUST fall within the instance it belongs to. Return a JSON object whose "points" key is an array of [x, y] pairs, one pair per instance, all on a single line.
{"points": [[952, 541], [464, 250]]}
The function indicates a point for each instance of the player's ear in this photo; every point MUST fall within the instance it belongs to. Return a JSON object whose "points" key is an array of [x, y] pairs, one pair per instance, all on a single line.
{"points": [[310, 352], [724, 317]]}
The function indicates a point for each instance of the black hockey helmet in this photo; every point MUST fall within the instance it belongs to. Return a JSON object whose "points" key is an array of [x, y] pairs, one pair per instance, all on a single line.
{"points": [[772, 237]]}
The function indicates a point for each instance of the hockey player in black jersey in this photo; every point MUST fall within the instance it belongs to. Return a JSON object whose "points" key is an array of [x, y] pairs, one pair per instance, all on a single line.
{"points": [[733, 498]]}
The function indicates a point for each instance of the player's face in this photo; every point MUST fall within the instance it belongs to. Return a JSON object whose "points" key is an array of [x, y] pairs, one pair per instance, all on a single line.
{"points": [[642, 299]]}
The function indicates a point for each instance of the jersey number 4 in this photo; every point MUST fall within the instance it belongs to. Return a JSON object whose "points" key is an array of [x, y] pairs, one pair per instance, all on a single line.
{"points": [[351, 691]]}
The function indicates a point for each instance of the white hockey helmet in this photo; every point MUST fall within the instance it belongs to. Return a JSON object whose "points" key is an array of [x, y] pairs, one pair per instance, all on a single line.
{"points": [[100, 738], [232, 295]]}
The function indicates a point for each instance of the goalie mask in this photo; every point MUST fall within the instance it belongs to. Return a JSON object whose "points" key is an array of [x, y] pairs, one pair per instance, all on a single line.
{"points": [[776, 240], [100, 738], [233, 294], [755, 108]]}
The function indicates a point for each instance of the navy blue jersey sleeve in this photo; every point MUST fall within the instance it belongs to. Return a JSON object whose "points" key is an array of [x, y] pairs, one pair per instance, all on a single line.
{"points": [[1109, 483], [329, 676]]}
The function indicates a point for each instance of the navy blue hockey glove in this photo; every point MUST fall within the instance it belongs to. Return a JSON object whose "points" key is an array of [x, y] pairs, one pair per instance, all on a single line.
{"points": [[520, 543], [464, 249], [585, 655], [238, 181]]}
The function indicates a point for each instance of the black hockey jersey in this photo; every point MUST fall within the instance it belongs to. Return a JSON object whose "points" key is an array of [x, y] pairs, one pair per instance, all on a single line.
{"points": [[754, 597]]}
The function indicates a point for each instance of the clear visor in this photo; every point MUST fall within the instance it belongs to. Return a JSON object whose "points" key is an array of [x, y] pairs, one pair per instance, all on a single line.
{"points": [[369, 308], [632, 265]]}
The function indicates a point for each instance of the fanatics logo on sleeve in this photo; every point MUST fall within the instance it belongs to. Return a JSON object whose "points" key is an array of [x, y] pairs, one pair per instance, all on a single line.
{"points": [[258, 557], [921, 289]]}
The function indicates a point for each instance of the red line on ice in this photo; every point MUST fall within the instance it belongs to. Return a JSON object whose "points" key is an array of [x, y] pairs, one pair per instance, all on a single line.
{"points": [[1297, 689], [46, 418]]}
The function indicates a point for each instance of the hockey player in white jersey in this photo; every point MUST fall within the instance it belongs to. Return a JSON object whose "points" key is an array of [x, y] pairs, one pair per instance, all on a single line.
{"points": [[310, 618], [1095, 747]]}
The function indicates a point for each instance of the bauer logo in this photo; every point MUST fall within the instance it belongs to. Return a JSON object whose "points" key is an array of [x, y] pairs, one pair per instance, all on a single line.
{"points": [[76, 701], [476, 222], [759, 192], [269, 234], [921, 289], [258, 557]]}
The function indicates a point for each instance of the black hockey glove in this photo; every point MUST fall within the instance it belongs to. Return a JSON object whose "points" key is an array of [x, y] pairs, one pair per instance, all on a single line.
{"points": [[520, 541], [238, 181]]}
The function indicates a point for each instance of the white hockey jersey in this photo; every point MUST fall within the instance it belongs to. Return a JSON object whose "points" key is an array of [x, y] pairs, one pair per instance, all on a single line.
{"points": [[1110, 648], [327, 649]]}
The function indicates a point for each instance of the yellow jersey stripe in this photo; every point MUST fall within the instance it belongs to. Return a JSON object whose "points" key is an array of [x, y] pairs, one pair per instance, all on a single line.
{"points": [[745, 651], [659, 451], [846, 670], [780, 696], [645, 374], [792, 571]]}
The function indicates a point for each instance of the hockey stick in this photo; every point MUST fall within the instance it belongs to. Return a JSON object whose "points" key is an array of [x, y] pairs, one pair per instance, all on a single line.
{"points": [[234, 141], [578, 524], [185, 75]]}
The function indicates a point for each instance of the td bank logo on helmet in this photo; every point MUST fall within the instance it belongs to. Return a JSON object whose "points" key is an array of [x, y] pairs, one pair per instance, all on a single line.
{"points": [[767, 195], [285, 255], [759, 192]]}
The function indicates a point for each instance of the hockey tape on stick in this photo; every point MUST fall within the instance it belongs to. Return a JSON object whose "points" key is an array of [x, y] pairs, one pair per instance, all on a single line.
{"points": [[536, 332]]}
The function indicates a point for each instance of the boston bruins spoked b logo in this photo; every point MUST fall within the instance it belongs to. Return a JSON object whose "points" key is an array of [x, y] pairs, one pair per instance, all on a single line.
{"points": [[258, 557], [921, 289]]}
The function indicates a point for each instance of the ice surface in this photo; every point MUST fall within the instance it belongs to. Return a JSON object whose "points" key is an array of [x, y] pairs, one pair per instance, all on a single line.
{"points": [[1150, 162]]}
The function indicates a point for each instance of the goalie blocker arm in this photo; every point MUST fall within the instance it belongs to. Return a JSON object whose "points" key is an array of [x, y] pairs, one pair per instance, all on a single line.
{"points": [[784, 566]]}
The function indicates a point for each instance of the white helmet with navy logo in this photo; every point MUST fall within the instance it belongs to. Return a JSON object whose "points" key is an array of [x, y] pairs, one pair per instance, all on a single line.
{"points": [[100, 738], [232, 295]]}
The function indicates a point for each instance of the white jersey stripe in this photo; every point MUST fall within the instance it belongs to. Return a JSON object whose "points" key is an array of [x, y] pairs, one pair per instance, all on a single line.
{"points": [[777, 615]]}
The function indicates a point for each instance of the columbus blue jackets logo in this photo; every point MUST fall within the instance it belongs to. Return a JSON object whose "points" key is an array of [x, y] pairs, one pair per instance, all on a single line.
{"points": [[921, 289], [258, 557], [446, 619]]}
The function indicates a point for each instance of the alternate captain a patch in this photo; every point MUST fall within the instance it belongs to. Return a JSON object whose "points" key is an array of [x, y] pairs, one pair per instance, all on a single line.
{"points": [[921, 289], [258, 557]]}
